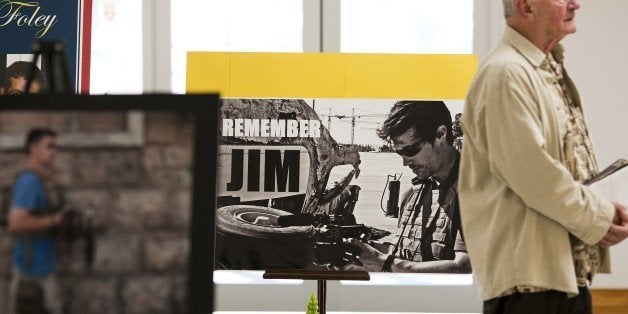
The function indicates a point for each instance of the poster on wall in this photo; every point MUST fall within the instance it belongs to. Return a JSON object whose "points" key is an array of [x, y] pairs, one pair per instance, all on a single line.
{"points": [[22, 23], [338, 183]]}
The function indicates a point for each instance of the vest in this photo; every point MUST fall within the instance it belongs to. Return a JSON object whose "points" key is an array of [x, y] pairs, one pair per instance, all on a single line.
{"points": [[428, 223]]}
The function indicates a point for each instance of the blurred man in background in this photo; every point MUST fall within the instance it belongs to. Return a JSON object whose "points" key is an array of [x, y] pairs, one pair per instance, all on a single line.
{"points": [[34, 213]]}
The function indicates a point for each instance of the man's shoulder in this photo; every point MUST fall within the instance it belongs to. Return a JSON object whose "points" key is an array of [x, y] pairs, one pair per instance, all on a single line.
{"points": [[503, 64], [505, 59], [27, 177], [28, 191], [27, 183]]}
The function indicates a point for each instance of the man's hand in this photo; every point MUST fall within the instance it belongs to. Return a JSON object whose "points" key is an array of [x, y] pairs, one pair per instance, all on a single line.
{"points": [[371, 258], [57, 218], [618, 230]]}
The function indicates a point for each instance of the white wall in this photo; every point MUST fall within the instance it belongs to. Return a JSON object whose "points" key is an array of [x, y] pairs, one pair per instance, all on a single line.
{"points": [[596, 60]]}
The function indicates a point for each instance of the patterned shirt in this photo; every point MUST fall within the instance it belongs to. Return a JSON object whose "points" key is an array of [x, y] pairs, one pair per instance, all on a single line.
{"points": [[579, 160]]}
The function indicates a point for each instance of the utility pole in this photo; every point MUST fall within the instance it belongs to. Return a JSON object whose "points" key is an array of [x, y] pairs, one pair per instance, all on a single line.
{"points": [[354, 120], [352, 124], [329, 120]]}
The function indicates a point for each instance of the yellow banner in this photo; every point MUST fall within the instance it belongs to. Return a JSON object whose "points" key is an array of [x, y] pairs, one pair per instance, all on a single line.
{"points": [[330, 75]]}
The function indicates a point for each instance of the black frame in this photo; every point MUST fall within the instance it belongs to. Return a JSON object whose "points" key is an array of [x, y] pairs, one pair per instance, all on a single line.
{"points": [[204, 107]]}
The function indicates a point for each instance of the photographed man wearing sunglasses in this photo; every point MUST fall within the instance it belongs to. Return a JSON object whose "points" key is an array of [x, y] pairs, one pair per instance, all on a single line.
{"points": [[428, 238]]}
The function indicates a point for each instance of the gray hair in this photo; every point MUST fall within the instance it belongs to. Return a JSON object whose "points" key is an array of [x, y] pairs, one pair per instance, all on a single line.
{"points": [[509, 7]]}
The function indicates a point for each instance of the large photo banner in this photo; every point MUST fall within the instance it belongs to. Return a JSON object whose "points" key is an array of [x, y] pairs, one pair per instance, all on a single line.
{"points": [[346, 176], [22, 23]]}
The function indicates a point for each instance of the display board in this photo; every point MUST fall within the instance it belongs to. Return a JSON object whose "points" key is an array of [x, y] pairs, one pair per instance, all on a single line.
{"points": [[22, 23], [303, 177], [139, 171]]}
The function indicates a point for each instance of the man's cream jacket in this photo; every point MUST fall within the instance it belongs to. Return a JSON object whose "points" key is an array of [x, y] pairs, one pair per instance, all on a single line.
{"points": [[518, 203]]}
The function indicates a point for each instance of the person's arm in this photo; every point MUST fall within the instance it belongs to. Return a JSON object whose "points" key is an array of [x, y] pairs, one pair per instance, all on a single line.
{"points": [[517, 153], [26, 198], [22, 222], [373, 260], [460, 264]]}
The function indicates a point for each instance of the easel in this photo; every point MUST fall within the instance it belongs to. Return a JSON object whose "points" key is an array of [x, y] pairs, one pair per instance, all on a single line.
{"points": [[53, 57], [320, 276]]}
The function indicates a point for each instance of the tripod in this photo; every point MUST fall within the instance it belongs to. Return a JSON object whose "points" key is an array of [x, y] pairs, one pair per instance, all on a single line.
{"points": [[53, 57]]}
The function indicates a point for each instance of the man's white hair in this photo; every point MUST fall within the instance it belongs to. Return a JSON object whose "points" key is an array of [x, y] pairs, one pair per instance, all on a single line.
{"points": [[509, 7]]}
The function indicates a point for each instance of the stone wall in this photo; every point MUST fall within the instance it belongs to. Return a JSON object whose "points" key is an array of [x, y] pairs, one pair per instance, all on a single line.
{"points": [[139, 198]]}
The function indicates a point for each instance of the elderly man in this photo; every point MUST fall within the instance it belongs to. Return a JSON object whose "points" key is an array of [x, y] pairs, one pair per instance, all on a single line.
{"points": [[535, 234]]}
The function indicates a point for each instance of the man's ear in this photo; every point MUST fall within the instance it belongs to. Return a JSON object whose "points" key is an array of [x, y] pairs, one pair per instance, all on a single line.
{"points": [[441, 132], [523, 8], [1, 90]]}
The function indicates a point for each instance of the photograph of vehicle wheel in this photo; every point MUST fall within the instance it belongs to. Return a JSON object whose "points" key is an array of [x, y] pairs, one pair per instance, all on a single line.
{"points": [[249, 237]]}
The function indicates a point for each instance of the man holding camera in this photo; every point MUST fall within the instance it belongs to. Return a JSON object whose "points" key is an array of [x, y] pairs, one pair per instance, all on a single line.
{"points": [[34, 213], [429, 238]]}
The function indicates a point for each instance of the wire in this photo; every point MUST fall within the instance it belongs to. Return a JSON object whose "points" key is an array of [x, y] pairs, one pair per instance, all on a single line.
{"points": [[369, 111], [381, 200]]}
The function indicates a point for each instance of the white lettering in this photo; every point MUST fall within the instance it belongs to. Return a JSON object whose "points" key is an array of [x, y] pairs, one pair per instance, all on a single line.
{"points": [[251, 127], [315, 128], [238, 127], [277, 128], [264, 127], [227, 127], [292, 128], [303, 129], [271, 128]]}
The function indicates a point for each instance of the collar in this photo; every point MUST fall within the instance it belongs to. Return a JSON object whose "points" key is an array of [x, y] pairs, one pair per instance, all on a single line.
{"points": [[526, 48]]}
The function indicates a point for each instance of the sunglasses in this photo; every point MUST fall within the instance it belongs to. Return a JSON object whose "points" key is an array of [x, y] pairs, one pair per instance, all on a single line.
{"points": [[410, 150]]}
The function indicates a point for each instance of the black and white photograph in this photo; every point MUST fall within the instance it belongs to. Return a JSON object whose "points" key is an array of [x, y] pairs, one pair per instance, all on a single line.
{"points": [[339, 184], [15, 70], [98, 203]]}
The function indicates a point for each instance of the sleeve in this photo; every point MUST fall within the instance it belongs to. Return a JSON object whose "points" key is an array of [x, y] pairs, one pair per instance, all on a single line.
{"points": [[459, 245], [25, 193], [518, 156]]}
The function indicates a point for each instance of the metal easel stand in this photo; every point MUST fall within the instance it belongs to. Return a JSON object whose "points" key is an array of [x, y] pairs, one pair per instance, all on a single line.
{"points": [[320, 276]]}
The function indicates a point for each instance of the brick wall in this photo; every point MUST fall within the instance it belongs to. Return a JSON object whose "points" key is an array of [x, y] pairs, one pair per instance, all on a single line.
{"points": [[139, 197]]}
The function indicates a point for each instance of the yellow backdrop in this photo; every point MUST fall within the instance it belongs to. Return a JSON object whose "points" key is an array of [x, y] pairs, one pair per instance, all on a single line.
{"points": [[330, 75]]}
